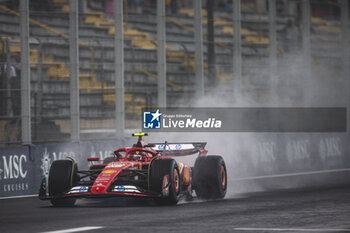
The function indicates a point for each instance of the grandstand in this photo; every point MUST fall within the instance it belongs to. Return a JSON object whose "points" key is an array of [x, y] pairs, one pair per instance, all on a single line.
{"points": [[49, 59]]}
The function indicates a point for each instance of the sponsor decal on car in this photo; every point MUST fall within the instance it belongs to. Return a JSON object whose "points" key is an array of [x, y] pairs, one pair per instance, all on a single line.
{"points": [[102, 179], [120, 188], [117, 165], [83, 189], [109, 171], [183, 146], [79, 189], [126, 189]]}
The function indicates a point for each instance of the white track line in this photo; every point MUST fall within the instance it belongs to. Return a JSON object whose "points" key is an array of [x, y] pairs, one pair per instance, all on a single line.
{"points": [[292, 174], [290, 229], [23, 196], [78, 229]]}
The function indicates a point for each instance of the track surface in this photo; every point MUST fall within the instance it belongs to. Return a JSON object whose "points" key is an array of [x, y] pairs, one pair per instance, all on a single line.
{"points": [[311, 210]]}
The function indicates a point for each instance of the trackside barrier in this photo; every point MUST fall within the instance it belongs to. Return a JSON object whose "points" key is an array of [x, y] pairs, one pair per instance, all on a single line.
{"points": [[268, 160], [22, 168], [287, 160]]}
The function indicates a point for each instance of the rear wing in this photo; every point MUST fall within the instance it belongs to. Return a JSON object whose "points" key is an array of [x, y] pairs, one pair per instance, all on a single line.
{"points": [[179, 149]]}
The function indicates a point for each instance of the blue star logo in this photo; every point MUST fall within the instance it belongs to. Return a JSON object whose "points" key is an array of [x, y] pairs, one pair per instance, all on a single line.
{"points": [[152, 120]]}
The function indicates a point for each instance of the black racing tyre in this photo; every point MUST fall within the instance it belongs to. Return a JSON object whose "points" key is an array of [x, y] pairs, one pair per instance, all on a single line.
{"points": [[62, 177], [160, 168], [210, 177]]}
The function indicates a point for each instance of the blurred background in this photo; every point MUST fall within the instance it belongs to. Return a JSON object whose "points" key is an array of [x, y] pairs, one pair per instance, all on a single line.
{"points": [[251, 53]]}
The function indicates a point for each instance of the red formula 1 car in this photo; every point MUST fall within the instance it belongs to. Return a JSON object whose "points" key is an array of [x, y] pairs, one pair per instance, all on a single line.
{"points": [[144, 170]]}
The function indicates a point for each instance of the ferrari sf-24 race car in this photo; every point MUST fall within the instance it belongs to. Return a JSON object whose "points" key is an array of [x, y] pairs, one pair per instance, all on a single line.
{"points": [[144, 170]]}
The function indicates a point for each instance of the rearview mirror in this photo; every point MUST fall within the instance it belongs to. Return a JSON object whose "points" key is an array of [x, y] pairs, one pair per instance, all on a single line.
{"points": [[91, 159]]}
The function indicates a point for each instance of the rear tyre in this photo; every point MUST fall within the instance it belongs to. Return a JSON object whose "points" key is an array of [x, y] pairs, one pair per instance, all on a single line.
{"points": [[62, 177], [210, 177], [165, 179]]}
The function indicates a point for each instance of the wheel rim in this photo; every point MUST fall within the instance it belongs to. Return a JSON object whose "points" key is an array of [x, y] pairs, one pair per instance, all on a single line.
{"points": [[176, 181], [223, 177]]}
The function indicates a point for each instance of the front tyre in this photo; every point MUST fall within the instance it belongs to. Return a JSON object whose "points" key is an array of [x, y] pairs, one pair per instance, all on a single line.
{"points": [[165, 179], [62, 177], [210, 177]]}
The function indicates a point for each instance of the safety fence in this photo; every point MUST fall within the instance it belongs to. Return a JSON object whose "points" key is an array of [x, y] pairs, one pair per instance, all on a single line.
{"points": [[261, 85]]}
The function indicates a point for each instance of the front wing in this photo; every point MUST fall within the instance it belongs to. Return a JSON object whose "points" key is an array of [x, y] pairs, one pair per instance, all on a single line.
{"points": [[116, 191]]}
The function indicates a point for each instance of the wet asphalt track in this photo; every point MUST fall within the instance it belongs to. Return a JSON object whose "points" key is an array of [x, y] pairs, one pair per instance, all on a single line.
{"points": [[299, 210]]}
